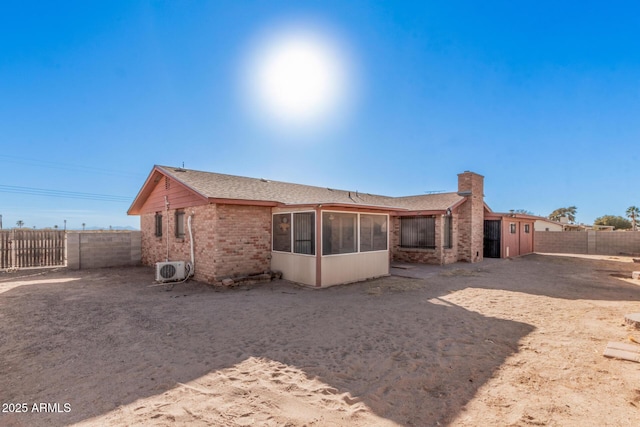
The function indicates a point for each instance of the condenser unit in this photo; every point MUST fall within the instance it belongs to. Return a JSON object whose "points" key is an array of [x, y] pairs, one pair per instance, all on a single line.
{"points": [[170, 271]]}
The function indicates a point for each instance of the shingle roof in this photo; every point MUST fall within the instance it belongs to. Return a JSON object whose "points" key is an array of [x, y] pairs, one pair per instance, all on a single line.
{"points": [[222, 186]]}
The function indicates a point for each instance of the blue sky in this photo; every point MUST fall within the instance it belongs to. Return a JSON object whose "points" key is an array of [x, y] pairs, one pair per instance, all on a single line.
{"points": [[542, 98]]}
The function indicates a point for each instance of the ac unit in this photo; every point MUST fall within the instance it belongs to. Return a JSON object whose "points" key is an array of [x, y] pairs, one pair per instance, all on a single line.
{"points": [[170, 271]]}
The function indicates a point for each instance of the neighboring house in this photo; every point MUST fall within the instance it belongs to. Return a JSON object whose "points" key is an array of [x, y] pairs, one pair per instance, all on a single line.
{"points": [[313, 235], [545, 224], [584, 227]]}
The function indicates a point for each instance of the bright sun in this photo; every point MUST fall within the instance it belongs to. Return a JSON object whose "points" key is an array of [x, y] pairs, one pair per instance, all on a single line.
{"points": [[297, 78]]}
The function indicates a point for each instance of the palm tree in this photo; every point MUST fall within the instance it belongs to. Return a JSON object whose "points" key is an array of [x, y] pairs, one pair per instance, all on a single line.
{"points": [[569, 212], [20, 223], [633, 212], [83, 224]]}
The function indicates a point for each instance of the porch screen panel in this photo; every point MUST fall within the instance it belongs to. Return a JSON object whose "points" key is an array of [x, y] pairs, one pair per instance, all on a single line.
{"points": [[418, 232], [339, 233], [282, 232], [304, 230], [373, 233]]}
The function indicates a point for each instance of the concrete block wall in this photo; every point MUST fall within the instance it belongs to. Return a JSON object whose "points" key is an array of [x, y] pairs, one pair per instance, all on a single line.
{"points": [[587, 242], [98, 249]]}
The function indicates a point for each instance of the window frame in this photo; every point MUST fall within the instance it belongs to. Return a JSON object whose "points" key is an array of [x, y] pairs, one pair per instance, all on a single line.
{"points": [[384, 228], [293, 247], [358, 231], [342, 236], [158, 224], [447, 229], [179, 224], [427, 238]]}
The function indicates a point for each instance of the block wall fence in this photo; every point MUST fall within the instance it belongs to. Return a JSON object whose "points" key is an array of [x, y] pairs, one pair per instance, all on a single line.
{"points": [[587, 242], [98, 249]]}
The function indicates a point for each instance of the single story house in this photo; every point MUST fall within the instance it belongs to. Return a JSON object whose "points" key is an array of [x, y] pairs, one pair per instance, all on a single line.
{"points": [[316, 236], [545, 224]]}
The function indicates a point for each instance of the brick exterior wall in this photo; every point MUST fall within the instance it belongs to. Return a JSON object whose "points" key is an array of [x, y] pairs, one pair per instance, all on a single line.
{"points": [[587, 242], [242, 240], [439, 255], [229, 240], [471, 218]]}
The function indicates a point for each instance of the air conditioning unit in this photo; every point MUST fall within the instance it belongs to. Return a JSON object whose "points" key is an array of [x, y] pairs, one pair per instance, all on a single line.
{"points": [[170, 271]]}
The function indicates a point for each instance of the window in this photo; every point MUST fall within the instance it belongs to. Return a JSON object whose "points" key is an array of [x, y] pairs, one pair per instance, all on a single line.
{"points": [[418, 232], [339, 233], [526, 228], [282, 232], [301, 231], [304, 231], [448, 230], [179, 224], [512, 228], [158, 224], [373, 233]]}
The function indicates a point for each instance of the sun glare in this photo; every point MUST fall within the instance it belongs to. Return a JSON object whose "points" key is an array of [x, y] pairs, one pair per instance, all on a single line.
{"points": [[297, 78]]}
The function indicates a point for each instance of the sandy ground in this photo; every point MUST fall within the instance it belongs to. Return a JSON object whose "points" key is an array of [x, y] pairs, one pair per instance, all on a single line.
{"points": [[511, 343]]}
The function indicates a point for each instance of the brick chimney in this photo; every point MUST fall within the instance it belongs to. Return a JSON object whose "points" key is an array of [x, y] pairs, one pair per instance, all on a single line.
{"points": [[471, 217]]}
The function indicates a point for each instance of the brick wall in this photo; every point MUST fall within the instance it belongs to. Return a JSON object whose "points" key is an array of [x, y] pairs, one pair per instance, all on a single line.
{"points": [[439, 255], [229, 240], [471, 218], [97, 249], [424, 256], [588, 242], [242, 240]]}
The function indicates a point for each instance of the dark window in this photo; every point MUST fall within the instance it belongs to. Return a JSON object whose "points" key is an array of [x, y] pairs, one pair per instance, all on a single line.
{"points": [[448, 231], [282, 232], [512, 228], [526, 228], [418, 232], [158, 224], [373, 233], [339, 233], [304, 231], [179, 224]]}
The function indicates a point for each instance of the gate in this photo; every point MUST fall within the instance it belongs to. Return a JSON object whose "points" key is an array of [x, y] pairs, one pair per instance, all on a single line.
{"points": [[492, 238], [32, 248]]}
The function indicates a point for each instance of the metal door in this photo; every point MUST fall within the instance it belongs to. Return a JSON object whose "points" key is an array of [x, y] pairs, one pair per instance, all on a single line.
{"points": [[492, 238]]}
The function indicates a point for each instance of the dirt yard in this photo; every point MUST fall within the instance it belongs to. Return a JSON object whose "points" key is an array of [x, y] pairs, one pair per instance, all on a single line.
{"points": [[511, 343]]}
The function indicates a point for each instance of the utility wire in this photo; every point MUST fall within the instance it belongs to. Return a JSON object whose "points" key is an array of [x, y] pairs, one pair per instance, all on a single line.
{"points": [[66, 166], [63, 194]]}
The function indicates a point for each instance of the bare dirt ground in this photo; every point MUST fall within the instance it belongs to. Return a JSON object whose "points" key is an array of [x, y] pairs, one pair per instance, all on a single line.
{"points": [[511, 343]]}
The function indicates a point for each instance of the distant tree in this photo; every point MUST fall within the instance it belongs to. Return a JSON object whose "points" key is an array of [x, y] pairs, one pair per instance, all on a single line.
{"points": [[83, 224], [633, 212], [618, 222], [569, 212], [523, 211], [55, 227], [20, 223]]}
